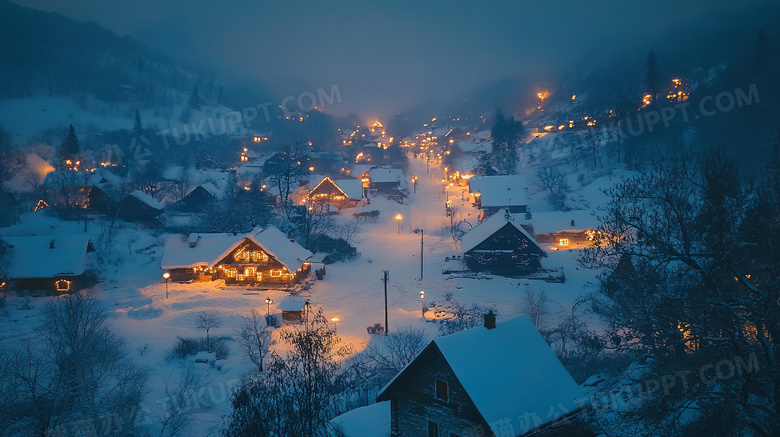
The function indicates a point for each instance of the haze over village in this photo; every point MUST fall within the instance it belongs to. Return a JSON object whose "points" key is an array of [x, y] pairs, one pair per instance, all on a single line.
{"points": [[389, 220]]}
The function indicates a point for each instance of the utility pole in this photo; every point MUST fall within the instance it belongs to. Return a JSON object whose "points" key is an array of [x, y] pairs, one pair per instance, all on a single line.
{"points": [[422, 242], [385, 277]]}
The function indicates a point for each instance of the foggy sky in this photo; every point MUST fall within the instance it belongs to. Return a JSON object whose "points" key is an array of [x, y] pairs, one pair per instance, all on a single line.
{"points": [[391, 55]]}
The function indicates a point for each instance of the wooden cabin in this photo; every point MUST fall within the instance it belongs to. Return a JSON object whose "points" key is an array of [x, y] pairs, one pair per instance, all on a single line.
{"points": [[139, 207], [386, 180], [497, 379], [574, 229], [265, 257], [200, 198], [343, 193], [499, 193], [48, 262], [501, 245]]}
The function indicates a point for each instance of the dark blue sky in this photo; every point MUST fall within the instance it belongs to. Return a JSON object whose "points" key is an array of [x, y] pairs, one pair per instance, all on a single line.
{"points": [[387, 56]]}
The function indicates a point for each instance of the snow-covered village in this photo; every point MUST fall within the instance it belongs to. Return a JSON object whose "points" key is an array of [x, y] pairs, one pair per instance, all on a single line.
{"points": [[389, 220]]}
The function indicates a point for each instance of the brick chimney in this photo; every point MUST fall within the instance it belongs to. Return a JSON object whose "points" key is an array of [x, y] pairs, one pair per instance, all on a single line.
{"points": [[490, 320]]}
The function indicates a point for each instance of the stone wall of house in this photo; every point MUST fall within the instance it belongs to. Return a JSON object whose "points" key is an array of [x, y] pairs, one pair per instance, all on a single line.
{"points": [[415, 402]]}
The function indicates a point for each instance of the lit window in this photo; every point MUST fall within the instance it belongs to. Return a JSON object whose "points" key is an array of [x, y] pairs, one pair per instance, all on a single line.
{"points": [[250, 272], [255, 255], [240, 277], [563, 242], [442, 391], [62, 285], [276, 273]]}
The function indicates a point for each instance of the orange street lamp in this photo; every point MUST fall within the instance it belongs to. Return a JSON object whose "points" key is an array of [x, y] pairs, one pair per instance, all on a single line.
{"points": [[398, 218], [268, 302], [422, 303], [335, 320]]}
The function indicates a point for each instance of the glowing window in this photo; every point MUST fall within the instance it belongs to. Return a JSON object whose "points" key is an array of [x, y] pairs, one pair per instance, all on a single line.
{"points": [[62, 285], [240, 277], [563, 242], [276, 273], [250, 272], [230, 273]]}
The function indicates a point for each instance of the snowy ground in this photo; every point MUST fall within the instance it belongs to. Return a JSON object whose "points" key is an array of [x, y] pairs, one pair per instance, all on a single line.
{"points": [[133, 290]]}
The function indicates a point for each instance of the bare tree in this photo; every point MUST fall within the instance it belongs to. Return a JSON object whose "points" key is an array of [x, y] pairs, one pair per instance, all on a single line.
{"points": [[535, 305], [11, 159], [554, 181], [181, 404], [208, 320], [74, 374], [254, 336]]}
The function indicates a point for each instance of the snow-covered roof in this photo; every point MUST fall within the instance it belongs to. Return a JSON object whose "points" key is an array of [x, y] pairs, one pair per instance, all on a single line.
{"points": [[148, 200], [359, 169], [34, 256], [369, 421], [520, 376], [509, 372], [212, 189], [490, 226], [556, 221], [386, 175], [506, 190], [291, 303], [207, 251], [353, 187], [276, 243]]}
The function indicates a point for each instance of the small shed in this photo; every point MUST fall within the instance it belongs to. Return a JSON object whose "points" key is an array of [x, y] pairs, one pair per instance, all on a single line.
{"points": [[139, 207], [293, 309]]}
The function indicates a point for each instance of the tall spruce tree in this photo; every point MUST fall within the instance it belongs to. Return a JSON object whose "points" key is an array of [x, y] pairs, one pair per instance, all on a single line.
{"points": [[69, 147]]}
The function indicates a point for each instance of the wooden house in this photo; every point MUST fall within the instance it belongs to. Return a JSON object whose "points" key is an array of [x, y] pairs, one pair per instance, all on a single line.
{"points": [[265, 257], [343, 193], [499, 193], [574, 229], [47, 262], [501, 245], [139, 207], [98, 200], [200, 198], [386, 180], [498, 379]]}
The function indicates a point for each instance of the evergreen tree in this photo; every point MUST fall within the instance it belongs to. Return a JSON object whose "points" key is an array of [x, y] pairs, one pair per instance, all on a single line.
{"points": [[506, 134], [138, 127], [69, 147], [652, 77], [194, 102]]}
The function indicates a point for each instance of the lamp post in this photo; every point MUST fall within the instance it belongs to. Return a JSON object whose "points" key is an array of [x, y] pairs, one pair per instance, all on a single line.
{"points": [[398, 218], [422, 303], [167, 276], [268, 302], [422, 241], [335, 320], [414, 183]]}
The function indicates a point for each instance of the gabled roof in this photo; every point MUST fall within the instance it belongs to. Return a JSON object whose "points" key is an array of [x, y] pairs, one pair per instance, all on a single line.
{"points": [[207, 251], [276, 243], [148, 200], [386, 175], [350, 188], [505, 190], [209, 188], [508, 372], [493, 224], [292, 303], [353, 187], [557, 221], [34, 256]]}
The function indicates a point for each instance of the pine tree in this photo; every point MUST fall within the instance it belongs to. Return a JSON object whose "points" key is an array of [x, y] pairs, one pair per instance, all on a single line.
{"points": [[138, 127], [652, 77], [69, 147], [506, 134], [194, 102]]}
